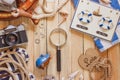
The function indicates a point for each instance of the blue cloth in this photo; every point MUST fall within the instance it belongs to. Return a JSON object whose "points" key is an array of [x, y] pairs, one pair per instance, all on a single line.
{"points": [[75, 3], [22, 52], [114, 3], [103, 45]]}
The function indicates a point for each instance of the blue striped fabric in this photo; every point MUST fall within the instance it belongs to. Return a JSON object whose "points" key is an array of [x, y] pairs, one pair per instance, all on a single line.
{"points": [[5, 78], [114, 3], [8, 77], [103, 45], [32, 77], [13, 68]]}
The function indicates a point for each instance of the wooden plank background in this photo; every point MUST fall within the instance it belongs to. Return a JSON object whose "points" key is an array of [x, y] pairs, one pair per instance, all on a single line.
{"points": [[77, 44]]}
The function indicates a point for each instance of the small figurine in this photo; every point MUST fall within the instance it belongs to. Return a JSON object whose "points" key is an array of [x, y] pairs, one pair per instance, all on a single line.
{"points": [[97, 12], [81, 77], [43, 61], [73, 75]]}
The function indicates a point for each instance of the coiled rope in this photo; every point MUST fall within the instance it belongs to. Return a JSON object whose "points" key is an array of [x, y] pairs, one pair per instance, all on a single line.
{"points": [[13, 66]]}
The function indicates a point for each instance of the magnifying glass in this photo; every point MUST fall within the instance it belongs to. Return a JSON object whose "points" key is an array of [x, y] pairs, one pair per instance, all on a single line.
{"points": [[58, 38]]}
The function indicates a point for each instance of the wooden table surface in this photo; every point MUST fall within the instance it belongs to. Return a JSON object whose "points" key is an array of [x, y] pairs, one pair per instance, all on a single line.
{"points": [[77, 44]]}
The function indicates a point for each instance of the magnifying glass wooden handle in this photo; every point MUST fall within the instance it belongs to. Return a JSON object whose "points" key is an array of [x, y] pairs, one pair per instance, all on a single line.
{"points": [[58, 60]]}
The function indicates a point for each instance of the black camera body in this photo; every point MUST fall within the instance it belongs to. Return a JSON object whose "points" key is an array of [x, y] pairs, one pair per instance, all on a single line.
{"points": [[12, 36]]}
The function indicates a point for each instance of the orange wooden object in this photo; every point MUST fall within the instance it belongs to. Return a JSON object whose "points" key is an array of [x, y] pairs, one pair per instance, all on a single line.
{"points": [[26, 7]]}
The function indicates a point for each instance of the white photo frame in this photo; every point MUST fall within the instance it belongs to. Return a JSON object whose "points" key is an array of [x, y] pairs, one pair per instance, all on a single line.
{"points": [[109, 16]]}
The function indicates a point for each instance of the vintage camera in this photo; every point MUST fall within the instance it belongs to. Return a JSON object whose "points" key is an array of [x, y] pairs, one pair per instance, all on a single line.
{"points": [[12, 36]]}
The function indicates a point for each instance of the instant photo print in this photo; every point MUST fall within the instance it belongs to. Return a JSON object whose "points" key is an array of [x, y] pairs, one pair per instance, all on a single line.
{"points": [[95, 19]]}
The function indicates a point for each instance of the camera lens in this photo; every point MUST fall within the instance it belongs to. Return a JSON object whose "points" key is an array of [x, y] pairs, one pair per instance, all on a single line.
{"points": [[11, 39]]}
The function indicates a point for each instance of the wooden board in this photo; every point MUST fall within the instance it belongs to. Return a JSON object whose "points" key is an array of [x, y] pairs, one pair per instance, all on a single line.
{"points": [[77, 44]]}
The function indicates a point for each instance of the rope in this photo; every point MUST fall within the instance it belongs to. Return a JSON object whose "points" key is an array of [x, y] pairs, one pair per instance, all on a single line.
{"points": [[44, 8], [8, 71], [47, 12], [17, 64], [102, 65], [34, 16], [100, 69], [18, 56], [20, 65]]}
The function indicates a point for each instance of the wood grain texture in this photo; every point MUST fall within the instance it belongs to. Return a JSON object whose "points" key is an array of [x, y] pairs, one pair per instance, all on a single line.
{"points": [[77, 44], [53, 21]]}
